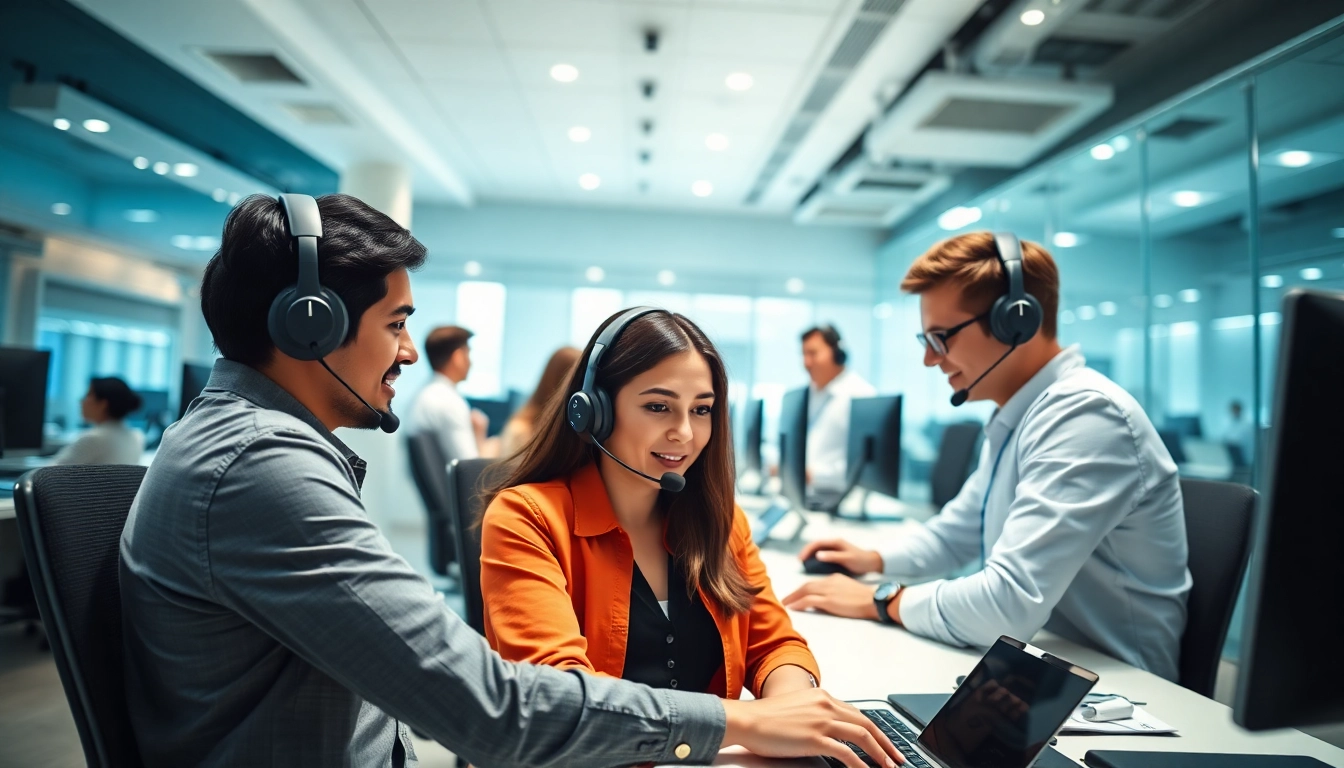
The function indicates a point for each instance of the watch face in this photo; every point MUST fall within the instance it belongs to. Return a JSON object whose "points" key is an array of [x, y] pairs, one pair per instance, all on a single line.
{"points": [[885, 591]]}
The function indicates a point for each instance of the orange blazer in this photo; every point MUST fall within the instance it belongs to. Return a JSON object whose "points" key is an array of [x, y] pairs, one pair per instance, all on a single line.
{"points": [[555, 575]]}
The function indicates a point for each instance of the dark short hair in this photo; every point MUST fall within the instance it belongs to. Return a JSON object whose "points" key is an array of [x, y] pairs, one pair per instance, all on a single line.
{"points": [[256, 260], [120, 398], [442, 342]]}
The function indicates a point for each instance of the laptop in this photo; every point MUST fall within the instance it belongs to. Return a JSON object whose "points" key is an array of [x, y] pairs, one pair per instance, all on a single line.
{"points": [[1004, 715]]}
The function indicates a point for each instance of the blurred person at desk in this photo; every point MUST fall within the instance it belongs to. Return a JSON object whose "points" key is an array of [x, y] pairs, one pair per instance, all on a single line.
{"points": [[832, 388], [613, 544], [107, 403], [440, 409], [1073, 519], [523, 424], [265, 617]]}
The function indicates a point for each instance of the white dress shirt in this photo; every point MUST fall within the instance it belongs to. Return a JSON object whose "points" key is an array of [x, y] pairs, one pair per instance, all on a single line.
{"points": [[1081, 529], [111, 442], [441, 410], [828, 428]]}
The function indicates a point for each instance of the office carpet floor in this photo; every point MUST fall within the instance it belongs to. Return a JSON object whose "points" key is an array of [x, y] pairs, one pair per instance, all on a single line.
{"points": [[36, 729]]}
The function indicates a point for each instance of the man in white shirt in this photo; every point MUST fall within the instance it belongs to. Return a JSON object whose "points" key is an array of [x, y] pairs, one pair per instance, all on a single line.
{"points": [[1074, 514], [828, 397], [439, 408]]}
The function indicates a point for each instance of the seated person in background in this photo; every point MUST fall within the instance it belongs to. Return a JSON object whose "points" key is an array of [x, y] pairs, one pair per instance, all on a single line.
{"points": [[586, 564], [1240, 435], [108, 401], [440, 409], [523, 424], [1074, 514], [832, 388]]}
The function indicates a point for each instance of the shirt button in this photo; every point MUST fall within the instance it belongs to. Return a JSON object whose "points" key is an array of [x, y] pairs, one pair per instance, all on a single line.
{"points": [[682, 751], [671, 664], [670, 638], [674, 682]]}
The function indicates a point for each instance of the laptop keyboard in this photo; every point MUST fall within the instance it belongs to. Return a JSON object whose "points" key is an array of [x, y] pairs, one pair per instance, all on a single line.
{"points": [[900, 734]]}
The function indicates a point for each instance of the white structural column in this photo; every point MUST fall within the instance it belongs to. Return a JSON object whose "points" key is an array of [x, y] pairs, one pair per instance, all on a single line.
{"points": [[383, 185]]}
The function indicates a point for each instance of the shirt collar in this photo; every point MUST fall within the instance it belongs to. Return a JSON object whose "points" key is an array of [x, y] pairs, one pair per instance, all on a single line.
{"points": [[256, 387], [1007, 418], [830, 385], [593, 515]]}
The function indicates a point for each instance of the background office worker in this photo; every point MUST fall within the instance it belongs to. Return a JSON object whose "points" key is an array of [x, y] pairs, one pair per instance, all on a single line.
{"points": [[440, 409], [522, 425], [589, 564], [1075, 510], [107, 403], [266, 619], [832, 388]]}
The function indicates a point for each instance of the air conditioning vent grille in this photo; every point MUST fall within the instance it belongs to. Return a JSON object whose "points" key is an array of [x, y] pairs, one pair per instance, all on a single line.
{"points": [[888, 185], [982, 115], [1082, 53], [1183, 128], [316, 114], [860, 37], [254, 67]]}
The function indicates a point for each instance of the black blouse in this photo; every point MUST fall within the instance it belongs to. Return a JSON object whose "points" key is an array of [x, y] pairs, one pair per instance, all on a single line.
{"points": [[681, 649]]}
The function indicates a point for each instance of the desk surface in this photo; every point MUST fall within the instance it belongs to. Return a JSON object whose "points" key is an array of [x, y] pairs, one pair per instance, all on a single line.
{"points": [[6, 507], [867, 660]]}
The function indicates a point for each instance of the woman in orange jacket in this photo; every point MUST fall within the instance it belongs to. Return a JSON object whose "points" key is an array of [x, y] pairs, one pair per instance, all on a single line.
{"points": [[618, 570]]}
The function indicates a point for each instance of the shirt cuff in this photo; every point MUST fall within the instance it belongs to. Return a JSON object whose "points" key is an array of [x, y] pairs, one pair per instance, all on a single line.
{"points": [[697, 727], [920, 614]]}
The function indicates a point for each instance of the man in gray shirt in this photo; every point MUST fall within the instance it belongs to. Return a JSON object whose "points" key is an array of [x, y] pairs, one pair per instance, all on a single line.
{"points": [[267, 621]]}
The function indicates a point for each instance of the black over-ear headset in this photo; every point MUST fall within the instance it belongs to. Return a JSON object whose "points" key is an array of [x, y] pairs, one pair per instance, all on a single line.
{"points": [[590, 409], [1016, 316], [308, 321], [832, 338]]}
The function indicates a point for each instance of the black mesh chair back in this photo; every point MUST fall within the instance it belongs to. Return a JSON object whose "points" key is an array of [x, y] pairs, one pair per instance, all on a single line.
{"points": [[429, 468], [466, 506], [70, 520], [957, 454], [1218, 529]]}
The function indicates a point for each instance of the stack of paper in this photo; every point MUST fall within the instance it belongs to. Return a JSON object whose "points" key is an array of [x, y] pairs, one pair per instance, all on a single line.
{"points": [[1141, 724]]}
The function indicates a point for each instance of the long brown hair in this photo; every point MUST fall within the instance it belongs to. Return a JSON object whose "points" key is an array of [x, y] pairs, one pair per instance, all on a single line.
{"points": [[699, 518], [553, 379]]}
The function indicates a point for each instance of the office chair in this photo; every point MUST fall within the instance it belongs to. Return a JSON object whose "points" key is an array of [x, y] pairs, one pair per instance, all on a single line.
{"points": [[1218, 529], [429, 469], [957, 455], [465, 508], [70, 520]]}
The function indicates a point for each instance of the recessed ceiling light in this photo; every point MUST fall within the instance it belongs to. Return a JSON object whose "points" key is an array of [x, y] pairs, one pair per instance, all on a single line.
{"points": [[1293, 158], [590, 181], [1162, 301], [94, 125], [1065, 239], [716, 142], [702, 188], [60, 124], [185, 169], [197, 243], [61, 209], [958, 217], [1189, 295], [472, 268], [1103, 152], [141, 215], [794, 285], [1067, 317], [162, 168], [1121, 143], [141, 162], [1271, 281], [1107, 308], [1032, 17], [565, 73], [667, 277], [1087, 312], [595, 274], [1187, 198], [1311, 273], [1337, 232], [234, 197], [579, 134], [219, 195], [739, 81]]}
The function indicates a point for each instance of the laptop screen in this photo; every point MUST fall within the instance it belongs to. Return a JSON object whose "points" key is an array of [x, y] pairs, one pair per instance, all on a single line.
{"points": [[1008, 709]]}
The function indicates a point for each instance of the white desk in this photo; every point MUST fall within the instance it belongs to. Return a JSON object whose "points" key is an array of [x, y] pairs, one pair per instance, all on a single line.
{"points": [[6, 508], [867, 660]]}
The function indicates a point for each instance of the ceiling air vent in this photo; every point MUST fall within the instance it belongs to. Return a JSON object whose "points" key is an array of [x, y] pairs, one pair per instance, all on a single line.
{"points": [[869, 195], [1073, 52], [999, 116], [1183, 128], [316, 114], [254, 68]]}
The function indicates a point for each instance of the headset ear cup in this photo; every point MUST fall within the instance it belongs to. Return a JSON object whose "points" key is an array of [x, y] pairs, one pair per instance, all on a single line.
{"points": [[997, 326], [603, 418], [279, 330], [840, 354], [340, 324], [579, 413]]}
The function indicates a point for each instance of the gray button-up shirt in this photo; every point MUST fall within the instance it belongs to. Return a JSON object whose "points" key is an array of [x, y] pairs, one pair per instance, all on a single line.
{"points": [[1076, 511], [268, 622]]}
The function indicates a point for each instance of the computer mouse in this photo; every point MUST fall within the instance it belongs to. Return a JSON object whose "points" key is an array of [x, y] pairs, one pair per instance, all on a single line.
{"points": [[814, 566]]}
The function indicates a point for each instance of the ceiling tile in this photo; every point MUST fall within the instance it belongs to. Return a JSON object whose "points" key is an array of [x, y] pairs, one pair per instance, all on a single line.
{"points": [[766, 37], [463, 63], [442, 21]]}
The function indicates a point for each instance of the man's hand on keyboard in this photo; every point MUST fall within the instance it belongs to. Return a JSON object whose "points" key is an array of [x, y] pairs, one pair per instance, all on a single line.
{"points": [[804, 723]]}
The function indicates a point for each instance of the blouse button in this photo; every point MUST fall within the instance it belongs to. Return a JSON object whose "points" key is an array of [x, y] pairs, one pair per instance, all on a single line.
{"points": [[683, 751], [670, 638], [673, 683], [671, 664]]}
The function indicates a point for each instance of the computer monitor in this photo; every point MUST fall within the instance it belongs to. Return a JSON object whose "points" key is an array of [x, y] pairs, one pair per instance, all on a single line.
{"points": [[194, 378], [23, 377], [153, 405], [750, 450], [498, 411], [1186, 426], [793, 447], [1292, 672], [873, 459]]}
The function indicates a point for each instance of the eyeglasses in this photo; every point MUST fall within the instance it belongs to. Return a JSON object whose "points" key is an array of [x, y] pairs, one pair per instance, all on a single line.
{"points": [[937, 340]]}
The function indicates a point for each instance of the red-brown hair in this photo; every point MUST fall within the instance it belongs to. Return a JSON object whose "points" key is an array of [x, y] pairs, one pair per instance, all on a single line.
{"points": [[700, 517], [971, 261]]}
